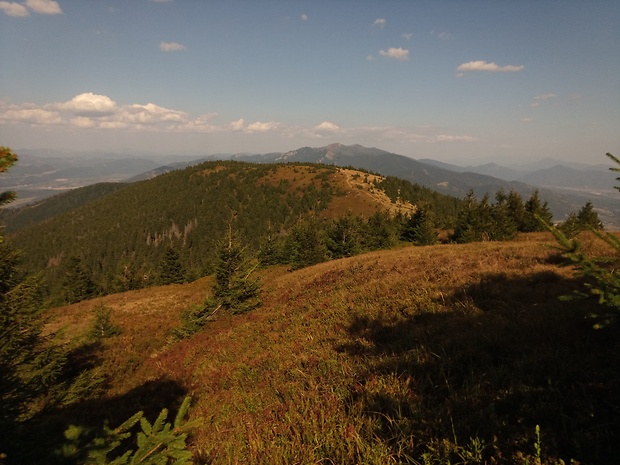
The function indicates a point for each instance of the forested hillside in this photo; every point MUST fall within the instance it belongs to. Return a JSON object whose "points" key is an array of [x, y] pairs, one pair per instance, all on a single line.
{"points": [[123, 240]]}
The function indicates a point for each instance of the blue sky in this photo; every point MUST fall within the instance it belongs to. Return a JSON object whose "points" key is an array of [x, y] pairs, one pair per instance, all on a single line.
{"points": [[458, 81]]}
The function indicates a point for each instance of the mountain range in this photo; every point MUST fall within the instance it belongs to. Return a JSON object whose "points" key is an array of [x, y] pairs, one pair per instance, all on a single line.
{"points": [[566, 186]]}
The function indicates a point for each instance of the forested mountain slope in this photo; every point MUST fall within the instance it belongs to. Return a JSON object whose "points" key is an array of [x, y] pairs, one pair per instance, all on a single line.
{"points": [[120, 240]]}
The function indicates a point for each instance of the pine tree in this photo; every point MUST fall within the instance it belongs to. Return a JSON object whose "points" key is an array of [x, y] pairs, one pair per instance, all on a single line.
{"points": [[536, 211], [270, 251], [504, 226], [234, 288], [344, 236], [29, 365], [420, 228], [516, 207], [570, 227], [602, 280], [102, 326], [78, 284], [382, 231], [306, 243], [467, 227], [171, 268], [588, 218]]}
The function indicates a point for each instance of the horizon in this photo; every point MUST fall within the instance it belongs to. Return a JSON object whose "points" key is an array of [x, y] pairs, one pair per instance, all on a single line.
{"points": [[523, 164], [448, 81]]}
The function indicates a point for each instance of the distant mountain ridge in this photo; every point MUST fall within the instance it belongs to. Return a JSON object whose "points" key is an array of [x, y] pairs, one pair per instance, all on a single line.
{"points": [[566, 186]]}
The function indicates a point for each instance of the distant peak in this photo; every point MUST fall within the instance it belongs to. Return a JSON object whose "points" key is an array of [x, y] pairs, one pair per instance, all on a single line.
{"points": [[334, 146]]}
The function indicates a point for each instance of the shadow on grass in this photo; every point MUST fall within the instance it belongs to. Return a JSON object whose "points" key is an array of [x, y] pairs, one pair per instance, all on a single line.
{"points": [[502, 356], [41, 438]]}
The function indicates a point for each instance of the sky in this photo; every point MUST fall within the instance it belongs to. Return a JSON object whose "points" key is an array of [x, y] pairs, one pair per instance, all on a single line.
{"points": [[455, 81]]}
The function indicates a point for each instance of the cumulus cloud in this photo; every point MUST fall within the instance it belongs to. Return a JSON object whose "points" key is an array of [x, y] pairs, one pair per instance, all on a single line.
{"points": [[481, 65], [379, 23], [408, 35], [327, 126], [304, 17], [263, 127], [89, 104], [445, 35], [400, 54], [44, 7], [29, 113], [94, 112], [14, 9], [171, 47]]}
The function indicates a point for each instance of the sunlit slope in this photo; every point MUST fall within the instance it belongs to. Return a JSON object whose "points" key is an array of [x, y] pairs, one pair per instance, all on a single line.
{"points": [[378, 358]]}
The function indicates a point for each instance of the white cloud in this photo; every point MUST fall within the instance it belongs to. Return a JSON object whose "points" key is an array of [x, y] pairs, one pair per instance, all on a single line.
{"points": [[83, 122], [400, 54], [89, 104], [327, 126], [304, 17], [370, 58], [94, 112], [263, 127], [379, 23], [481, 65], [408, 35], [171, 46], [527, 120], [14, 9], [149, 114], [44, 7], [30, 114], [445, 35]]}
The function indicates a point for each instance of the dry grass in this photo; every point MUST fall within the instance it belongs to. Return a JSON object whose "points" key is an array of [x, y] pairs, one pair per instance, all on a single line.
{"points": [[381, 358]]}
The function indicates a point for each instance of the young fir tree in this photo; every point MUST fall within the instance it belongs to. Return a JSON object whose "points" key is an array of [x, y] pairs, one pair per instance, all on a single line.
{"points": [[516, 207], [78, 284], [504, 226], [570, 227], [344, 236], [271, 250], [382, 231], [306, 244], [588, 218], [235, 289], [102, 326], [535, 212], [420, 228], [467, 227], [600, 273], [171, 269]]}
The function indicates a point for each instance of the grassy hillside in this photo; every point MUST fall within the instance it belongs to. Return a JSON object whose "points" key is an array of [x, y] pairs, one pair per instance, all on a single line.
{"points": [[440, 354]]}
